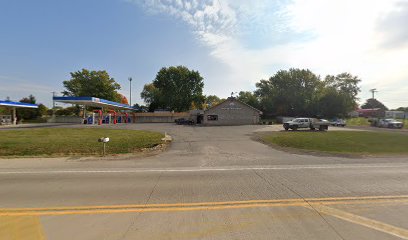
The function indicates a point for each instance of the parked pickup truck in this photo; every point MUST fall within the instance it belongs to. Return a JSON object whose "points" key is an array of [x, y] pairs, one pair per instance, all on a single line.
{"points": [[390, 123], [385, 123], [312, 123]]}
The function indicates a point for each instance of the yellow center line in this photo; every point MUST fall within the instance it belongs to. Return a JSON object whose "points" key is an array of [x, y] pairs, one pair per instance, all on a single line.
{"points": [[328, 200], [199, 206]]}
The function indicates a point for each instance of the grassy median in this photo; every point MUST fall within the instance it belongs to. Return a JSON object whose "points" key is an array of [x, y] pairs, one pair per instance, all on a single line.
{"points": [[73, 141], [343, 142]]}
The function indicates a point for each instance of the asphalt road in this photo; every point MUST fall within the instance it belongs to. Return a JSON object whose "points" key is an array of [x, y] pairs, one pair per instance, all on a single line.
{"points": [[212, 183]]}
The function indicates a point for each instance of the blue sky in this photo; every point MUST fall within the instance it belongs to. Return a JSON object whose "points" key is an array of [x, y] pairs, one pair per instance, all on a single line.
{"points": [[232, 43]]}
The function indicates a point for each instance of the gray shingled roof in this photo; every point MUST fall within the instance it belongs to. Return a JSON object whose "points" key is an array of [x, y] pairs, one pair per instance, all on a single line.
{"points": [[232, 98]]}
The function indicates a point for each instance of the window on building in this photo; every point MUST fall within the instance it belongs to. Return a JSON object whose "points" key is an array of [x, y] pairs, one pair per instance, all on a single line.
{"points": [[212, 117]]}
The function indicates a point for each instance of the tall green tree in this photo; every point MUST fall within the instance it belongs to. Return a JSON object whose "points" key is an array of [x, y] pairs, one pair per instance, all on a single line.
{"points": [[152, 97], [249, 98], [331, 104], [373, 103], [300, 92], [211, 100], [86, 83], [292, 92], [31, 113], [174, 88], [347, 87], [27, 113]]}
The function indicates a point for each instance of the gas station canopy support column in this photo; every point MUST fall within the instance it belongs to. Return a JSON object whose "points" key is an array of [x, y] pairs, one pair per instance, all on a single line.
{"points": [[14, 116]]}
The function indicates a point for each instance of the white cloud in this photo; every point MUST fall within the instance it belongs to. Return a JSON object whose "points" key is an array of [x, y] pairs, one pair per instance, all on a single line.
{"points": [[341, 35], [347, 39]]}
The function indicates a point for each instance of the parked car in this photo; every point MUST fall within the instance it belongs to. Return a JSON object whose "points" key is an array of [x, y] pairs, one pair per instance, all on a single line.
{"points": [[338, 122], [184, 121], [312, 123], [390, 123]]}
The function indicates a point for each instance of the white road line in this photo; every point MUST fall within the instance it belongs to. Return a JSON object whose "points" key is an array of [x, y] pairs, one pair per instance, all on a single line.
{"points": [[293, 167]]}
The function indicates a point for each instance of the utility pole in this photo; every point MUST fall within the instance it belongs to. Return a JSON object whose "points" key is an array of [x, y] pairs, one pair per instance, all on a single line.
{"points": [[53, 102], [130, 83], [53, 105], [373, 91]]}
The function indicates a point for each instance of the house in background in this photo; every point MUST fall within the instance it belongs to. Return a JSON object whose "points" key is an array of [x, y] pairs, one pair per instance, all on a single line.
{"points": [[371, 112], [396, 114], [231, 112]]}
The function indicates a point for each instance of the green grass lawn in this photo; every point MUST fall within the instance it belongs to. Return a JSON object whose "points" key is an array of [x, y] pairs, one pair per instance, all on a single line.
{"points": [[73, 141], [345, 142], [360, 121]]}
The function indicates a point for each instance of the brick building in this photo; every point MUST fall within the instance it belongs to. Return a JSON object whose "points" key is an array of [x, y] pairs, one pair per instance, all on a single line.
{"points": [[371, 112], [231, 112]]}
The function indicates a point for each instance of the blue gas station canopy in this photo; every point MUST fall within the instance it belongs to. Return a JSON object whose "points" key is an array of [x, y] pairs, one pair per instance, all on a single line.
{"points": [[17, 104], [93, 102]]}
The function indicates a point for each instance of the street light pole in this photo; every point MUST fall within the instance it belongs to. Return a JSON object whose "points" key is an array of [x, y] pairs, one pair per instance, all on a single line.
{"points": [[53, 101], [373, 91], [130, 83]]}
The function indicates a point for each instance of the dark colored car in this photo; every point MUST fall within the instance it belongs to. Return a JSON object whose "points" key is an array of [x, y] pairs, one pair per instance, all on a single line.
{"points": [[184, 121]]}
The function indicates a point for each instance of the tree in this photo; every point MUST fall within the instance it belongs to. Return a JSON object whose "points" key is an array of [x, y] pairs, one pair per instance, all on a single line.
{"points": [[140, 108], [123, 99], [331, 104], [211, 100], [404, 109], [347, 87], [300, 92], [373, 103], [87, 83], [249, 98], [27, 113], [68, 111], [31, 113], [42, 110], [291, 93], [151, 96], [174, 88]]}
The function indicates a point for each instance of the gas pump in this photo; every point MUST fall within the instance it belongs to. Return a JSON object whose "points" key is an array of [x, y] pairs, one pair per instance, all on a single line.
{"points": [[127, 118], [107, 119], [91, 119], [99, 117], [113, 113]]}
